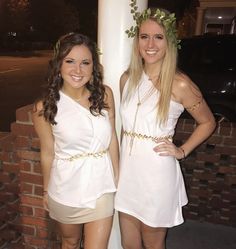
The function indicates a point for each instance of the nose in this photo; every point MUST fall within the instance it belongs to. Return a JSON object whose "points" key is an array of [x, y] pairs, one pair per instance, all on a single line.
{"points": [[150, 42], [78, 67]]}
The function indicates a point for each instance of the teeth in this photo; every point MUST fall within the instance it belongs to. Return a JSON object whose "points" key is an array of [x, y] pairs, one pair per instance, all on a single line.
{"points": [[77, 77], [151, 52]]}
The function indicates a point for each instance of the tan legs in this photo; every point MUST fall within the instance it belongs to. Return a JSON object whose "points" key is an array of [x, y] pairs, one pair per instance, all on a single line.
{"points": [[130, 229], [136, 235], [96, 234], [71, 235], [153, 238]]}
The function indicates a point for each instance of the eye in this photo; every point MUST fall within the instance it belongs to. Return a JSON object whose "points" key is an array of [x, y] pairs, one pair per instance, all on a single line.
{"points": [[159, 36], [85, 63], [69, 61], [143, 36]]}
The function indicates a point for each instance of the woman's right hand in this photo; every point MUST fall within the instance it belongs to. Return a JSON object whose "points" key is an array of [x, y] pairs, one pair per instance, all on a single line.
{"points": [[167, 148]]}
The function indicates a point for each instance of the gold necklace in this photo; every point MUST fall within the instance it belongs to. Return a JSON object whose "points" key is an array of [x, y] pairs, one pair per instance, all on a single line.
{"points": [[139, 103]]}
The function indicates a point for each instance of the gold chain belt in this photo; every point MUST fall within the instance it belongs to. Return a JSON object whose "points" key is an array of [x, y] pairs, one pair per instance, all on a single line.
{"points": [[143, 136], [83, 155]]}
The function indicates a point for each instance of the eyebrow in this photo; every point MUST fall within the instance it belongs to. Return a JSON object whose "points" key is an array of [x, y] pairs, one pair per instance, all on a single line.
{"points": [[86, 59], [68, 58], [143, 33]]}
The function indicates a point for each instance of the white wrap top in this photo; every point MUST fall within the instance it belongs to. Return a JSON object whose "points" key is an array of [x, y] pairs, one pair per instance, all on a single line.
{"points": [[82, 169]]}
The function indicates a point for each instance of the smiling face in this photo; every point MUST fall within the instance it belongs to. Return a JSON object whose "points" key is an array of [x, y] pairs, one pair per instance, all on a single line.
{"points": [[77, 67], [152, 42]]}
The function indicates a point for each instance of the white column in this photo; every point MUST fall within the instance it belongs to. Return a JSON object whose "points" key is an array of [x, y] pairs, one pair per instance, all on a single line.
{"points": [[114, 18]]}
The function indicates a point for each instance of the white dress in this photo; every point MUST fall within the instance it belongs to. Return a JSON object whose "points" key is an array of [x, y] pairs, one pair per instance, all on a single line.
{"points": [[151, 187], [80, 181]]}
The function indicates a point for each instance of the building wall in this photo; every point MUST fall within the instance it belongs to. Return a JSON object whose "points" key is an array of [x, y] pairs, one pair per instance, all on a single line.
{"points": [[208, 12], [209, 172]]}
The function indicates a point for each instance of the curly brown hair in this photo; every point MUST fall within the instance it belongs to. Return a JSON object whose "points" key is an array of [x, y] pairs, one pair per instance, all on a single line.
{"points": [[54, 81]]}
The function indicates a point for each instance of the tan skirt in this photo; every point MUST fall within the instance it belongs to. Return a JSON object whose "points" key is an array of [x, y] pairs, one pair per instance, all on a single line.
{"points": [[73, 215]]}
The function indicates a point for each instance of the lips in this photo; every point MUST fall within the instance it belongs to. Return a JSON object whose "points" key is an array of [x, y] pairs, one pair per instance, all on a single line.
{"points": [[151, 52], [76, 78]]}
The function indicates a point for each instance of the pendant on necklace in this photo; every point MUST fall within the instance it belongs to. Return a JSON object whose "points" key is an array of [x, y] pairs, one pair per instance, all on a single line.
{"points": [[140, 101]]}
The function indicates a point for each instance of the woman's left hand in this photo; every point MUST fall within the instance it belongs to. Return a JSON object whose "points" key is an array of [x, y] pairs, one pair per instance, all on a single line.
{"points": [[167, 148]]}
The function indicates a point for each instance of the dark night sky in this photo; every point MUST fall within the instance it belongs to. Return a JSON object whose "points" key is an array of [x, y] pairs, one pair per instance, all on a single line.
{"points": [[88, 11], [176, 6]]}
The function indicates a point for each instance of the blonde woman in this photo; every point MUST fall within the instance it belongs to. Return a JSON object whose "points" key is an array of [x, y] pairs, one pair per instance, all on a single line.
{"points": [[154, 93]]}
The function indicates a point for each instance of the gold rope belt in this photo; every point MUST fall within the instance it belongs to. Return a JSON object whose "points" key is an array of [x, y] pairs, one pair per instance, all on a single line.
{"points": [[83, 155], [143, 136]]}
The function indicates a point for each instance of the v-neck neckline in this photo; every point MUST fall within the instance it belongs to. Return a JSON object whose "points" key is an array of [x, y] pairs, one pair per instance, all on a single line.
{"points": [[74, 101]]}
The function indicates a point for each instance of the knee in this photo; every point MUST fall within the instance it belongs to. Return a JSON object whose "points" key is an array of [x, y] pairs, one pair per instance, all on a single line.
{"points": [[130, 244], [156, 245], [69, 243]]}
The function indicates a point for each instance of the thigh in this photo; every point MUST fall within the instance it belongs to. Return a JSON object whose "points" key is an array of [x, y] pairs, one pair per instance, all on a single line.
{"points": [[130, 231], [97, 233], [71, 234], [153, 237]]}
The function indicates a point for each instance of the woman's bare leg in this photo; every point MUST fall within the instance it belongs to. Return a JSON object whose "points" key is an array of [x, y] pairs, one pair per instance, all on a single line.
{"points": [[71, 235], [130, 231], [97, 233], [153, 238]]}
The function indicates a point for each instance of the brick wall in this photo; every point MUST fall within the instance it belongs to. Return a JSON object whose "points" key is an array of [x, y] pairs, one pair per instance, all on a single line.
{"points": [[210, 175], [21, 182], [10, 229]]}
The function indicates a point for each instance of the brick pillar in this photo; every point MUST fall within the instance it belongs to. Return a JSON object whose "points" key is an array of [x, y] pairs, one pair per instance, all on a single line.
{"points": [[37, 230], [10, 229]]}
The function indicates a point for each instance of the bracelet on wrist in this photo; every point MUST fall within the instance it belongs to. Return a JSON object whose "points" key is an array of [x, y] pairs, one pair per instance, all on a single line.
{"points": [[183, 152]]}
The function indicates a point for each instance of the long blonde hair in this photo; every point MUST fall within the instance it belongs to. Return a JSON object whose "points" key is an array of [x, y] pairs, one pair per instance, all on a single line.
{"points": [[166, 76]]}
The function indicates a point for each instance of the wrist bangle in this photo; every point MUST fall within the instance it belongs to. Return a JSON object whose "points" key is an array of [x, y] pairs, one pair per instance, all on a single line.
{"points": [[184, 156]]}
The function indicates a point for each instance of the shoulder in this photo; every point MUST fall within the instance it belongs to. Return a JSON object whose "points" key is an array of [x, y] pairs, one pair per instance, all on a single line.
{"points": [[184, 87], [182, 81], [37, 107], [123, 79], [37, 112], [108, 91], [42, 127], [109, 97]]}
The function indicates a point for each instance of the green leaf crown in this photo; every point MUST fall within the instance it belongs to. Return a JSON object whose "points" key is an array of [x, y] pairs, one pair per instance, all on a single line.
{"points": [[163, 18]]}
